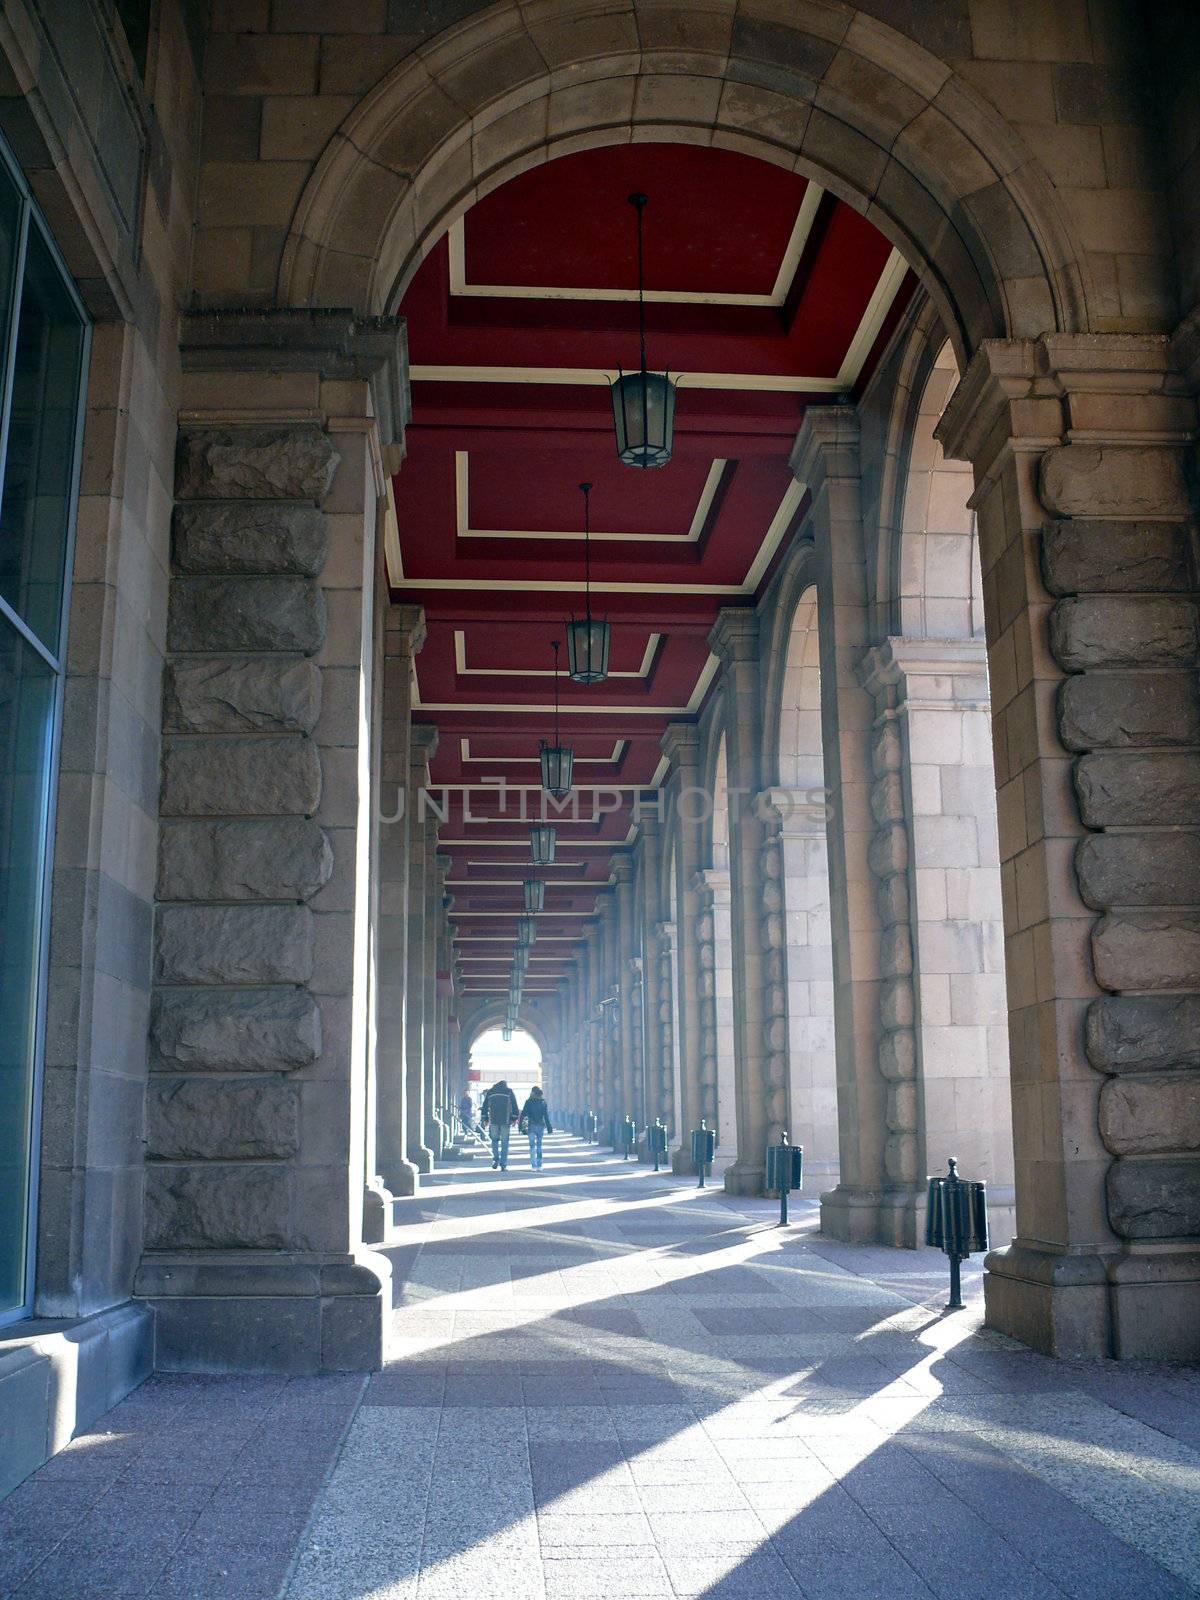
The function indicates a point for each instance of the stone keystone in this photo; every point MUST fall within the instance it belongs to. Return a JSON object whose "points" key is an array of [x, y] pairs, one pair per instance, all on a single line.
{"points": [[246, 614], [285, 463], [249, 538]]}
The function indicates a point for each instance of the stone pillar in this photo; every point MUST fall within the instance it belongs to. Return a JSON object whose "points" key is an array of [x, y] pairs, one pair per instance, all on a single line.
{"points": [[590, 1032], [942, 1003], [629, 1095], [434, 1131], [610, 1014], [825, 459], [716, 1011], [681, 746], [257, 1106], [796, 936], [761, 1079], [1081, 448], [648, 914], [421, 842], [670, 1094], [403, 639], [444, 988]]}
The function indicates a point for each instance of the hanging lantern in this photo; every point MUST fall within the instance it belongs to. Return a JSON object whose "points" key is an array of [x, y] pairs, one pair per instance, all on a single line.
{"points": [[506, 1032], [526, 931], [541, 843], [558, 759], [643, 401], [588, 638], [535, 894]]}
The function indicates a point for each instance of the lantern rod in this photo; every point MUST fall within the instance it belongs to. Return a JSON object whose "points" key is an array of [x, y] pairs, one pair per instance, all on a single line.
{"points": [[587, 557], [638, 202], [554, 645]]}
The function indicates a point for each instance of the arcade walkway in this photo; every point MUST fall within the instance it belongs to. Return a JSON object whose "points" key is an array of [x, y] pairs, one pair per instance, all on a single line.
{"points": [[608, 1384]]}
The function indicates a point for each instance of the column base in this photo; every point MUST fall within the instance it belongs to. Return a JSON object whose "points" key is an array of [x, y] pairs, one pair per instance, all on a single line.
{"points": [[1155, 1300], [295, 1315], [682, 1164], [401, 1177], [1058, 1304], [745, 1180], [421, 1157], [377, 1211], [851, 1215]]}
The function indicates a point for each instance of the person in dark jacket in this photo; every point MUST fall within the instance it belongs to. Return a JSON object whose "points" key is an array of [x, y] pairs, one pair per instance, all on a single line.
{"points": [[535, 1121], [498, 1113]]}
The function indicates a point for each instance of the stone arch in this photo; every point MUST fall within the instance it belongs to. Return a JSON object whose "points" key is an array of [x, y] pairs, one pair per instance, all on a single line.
{"points": [[491, 1015], [929, 581], [875, 118]]}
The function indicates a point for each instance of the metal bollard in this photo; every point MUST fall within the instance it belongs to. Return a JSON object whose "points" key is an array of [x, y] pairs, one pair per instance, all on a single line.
{"points": [[589, 1126], [627, 1129], [704, 1147], [956, 1222], [785, 1170], [656, 1141]]}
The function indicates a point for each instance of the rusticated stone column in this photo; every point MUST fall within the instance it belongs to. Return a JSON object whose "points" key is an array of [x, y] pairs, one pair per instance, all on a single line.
{"points": [[590, 1031], [628, 1076], [826, 460], [257, 1105], [734, 639], [944, 1050], [419, 1017], [443, 989], [434, 1131], [799, 957], [1080, 447], [687, 805], [648, 914], [716, 1020], [404, 637], [668, 1028], [609, 997]]}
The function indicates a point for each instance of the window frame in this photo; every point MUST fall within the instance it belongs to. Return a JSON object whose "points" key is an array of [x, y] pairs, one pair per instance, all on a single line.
{"points": [[29, 217]]}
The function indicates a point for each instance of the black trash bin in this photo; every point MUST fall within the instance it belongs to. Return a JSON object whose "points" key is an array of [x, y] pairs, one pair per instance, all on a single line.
{"points": [[956, 1222]]}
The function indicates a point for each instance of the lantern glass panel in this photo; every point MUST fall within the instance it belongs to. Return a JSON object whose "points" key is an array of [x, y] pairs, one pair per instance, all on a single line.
{"points": [[588, 641], [535, 894], [541, 843], [644, 418], [526, 930], [558, 762]]}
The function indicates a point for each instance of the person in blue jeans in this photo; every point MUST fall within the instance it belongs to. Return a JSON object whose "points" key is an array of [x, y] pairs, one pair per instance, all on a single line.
{"points": [[535, 1121], [498, 1113]]}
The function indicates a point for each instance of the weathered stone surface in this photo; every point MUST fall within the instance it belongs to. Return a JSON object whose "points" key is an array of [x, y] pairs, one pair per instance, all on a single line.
{"points": [[891, 897], [240, 777], [898, 1056], [233, 944], [887, 799], [1107, 480], [1151, 1116], [1123, 631], [224, 696], [1114, 710], [288, 858], [246, 1030], [1139, 869], [190, 1119], [1125, 790], [250, 538], [211, 1207], [888, 851], [1141, 950], [1144, 1033], [246, 614], [1150, 1199], [1089, 556], [896, 1003], [895, 951], [284, 463]]}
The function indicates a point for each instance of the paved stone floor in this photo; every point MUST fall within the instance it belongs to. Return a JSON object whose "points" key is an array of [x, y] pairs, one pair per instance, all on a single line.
{"points": [[606, 1384]]}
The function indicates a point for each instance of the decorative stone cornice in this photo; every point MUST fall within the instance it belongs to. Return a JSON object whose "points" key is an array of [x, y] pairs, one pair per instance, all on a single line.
{"points": [[826, 446], [622, 867], [733, 638], [424, 743], [680, 744], [405, 630], [928, 673], [333, 343], [792, 811]]}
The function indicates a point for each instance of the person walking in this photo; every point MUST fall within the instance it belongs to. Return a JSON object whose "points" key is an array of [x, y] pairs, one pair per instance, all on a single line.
{"points": [[498, 1113], [535, 1121]]}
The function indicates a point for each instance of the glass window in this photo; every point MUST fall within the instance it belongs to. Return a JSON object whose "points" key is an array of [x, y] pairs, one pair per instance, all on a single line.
{"points": [[39, 465], [43, 350], [27, 695]]}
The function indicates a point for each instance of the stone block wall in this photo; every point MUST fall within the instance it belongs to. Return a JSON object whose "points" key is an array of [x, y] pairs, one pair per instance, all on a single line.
{"points": [[1124, 628]]}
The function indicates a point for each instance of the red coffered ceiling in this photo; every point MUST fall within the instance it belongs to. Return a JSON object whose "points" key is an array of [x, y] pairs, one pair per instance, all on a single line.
{"points": [[764, 295]]}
